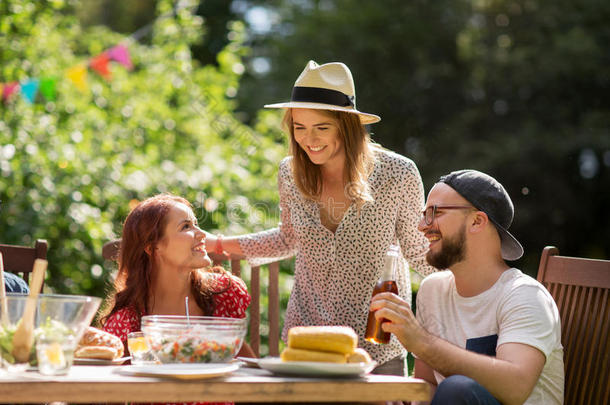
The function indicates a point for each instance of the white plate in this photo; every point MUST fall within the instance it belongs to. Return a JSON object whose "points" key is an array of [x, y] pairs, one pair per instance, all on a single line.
{"points": [[182, 371], [250, 361], [99, 362], [316, 369]]}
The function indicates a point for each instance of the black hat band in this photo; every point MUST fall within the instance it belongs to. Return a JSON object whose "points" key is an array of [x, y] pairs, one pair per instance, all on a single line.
{"points": [[323, 96]]}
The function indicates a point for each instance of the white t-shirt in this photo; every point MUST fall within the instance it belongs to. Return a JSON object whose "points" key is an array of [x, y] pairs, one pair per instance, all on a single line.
{"points": [[516, 309]]}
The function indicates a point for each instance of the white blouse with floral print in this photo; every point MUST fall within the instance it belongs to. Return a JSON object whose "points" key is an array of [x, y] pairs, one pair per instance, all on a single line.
{"points": [[335, 272]]}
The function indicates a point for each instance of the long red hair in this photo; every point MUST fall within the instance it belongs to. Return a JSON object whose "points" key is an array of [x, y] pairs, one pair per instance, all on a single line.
{"points": [[142, 230]]}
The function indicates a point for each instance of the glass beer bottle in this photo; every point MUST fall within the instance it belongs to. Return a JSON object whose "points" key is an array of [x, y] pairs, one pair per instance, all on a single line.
{"points": [[387, 283]]}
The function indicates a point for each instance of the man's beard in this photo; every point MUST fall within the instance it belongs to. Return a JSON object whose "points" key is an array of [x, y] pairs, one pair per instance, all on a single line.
{"points": [[452, 251]]}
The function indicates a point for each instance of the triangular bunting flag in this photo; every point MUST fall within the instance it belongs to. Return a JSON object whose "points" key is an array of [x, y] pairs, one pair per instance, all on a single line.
{"points": [[29, 89], [120, 53], [47, 88], [9, 89], [78, 75], [99, 63]]}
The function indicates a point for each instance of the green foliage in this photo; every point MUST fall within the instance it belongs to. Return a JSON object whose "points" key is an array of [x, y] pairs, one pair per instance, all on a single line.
{"points": [[518, 89], [71, 167]]}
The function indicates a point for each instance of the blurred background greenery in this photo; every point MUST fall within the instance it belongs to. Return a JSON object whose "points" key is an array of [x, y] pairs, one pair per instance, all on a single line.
{"points": [[519, 89]]}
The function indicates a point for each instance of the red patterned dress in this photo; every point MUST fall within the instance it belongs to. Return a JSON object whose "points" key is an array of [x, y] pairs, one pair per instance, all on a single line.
{"points": [[231, 303]]}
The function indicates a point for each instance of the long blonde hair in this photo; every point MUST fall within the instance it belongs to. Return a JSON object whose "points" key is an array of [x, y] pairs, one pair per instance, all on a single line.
{"points": [[359, 159]]}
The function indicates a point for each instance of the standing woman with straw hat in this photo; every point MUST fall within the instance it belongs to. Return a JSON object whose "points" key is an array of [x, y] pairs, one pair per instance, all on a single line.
{"points": [[344, 200]]}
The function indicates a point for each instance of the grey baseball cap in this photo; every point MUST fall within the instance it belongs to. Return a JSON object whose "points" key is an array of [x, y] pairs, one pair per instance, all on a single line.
{"points": [[489, 196]]}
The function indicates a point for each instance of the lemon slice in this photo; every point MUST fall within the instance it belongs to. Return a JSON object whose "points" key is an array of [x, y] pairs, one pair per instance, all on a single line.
{"points": [[137, 345], [55, 355]]}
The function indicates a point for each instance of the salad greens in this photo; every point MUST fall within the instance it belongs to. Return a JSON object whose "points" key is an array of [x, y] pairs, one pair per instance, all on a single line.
{"points": [[193, 349], [50, 328]]}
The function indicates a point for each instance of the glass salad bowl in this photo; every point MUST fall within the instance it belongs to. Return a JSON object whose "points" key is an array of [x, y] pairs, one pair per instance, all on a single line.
{"points": [[196, 339], [59, 322]]}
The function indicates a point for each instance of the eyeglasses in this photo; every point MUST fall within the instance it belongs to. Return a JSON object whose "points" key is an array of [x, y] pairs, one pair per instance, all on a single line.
{"points": [[429, 213]]}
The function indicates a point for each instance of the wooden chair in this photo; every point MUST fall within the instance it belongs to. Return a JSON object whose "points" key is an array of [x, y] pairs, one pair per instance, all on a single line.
{"points": [[20, 259], [580, 288], [273, 308], [110, 252]]}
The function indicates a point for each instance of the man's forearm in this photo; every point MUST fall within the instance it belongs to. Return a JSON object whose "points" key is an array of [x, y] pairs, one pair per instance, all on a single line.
{"points": [[503, 379]]}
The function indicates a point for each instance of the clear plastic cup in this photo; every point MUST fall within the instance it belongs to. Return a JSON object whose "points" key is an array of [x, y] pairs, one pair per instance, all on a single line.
{"points": [[139, 349], [55, 354]]}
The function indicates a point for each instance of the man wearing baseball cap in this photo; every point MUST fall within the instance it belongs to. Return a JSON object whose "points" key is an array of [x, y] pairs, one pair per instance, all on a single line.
{"points": [[485, 333]]}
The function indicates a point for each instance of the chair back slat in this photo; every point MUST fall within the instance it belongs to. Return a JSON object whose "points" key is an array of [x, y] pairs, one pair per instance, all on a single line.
{"points": [[570, 307], [274, 309], [582, 338], [559, 291], [571, 334], [255, 310], [604, 389], [255, 326], [235, 267], [598, 314], [20, 259], [581, 288]]}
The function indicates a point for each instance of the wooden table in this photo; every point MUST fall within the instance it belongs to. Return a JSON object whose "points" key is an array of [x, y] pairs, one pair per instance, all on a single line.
{"points": [[95, 384]]}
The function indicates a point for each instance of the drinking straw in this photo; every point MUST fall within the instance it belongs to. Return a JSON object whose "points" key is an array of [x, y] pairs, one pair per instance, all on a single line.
{"points": [[186, 304]]}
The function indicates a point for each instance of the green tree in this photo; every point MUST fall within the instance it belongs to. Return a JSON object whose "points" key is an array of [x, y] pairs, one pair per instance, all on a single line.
{"points": [[71, 166], [536, 113], [128, 16], [515, 88]]}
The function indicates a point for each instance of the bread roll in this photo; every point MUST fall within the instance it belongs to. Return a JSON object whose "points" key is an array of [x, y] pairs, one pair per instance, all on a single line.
{"points": [[96, 352], [337, 339], [290, 354], [97, 338], [359, 356]]}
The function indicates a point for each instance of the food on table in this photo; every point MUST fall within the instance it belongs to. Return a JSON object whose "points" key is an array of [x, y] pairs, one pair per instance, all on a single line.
{"points": [[339, 339], [54, 353], [193, 339], [55, 357], [290, 354], [330, 344], [139, 350], [137, 345], [359, 355], [192, 348], [98, 344], [96, 352], [51, 329]]}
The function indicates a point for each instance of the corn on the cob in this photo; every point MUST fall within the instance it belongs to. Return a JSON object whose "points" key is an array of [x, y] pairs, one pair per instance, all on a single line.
{"points": [[290, 354], [359, 356], [337, 339]]}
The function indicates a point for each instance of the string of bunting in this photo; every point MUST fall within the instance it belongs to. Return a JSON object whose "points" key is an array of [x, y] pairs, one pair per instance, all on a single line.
{"points": [[30, 87], [77, 75]]}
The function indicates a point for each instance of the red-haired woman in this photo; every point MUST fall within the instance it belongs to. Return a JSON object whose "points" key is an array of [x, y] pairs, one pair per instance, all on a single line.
{"points": [[163, 260]]}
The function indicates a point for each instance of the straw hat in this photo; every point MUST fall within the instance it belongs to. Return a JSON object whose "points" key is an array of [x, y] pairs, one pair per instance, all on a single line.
{"points": [[326, 87]]}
